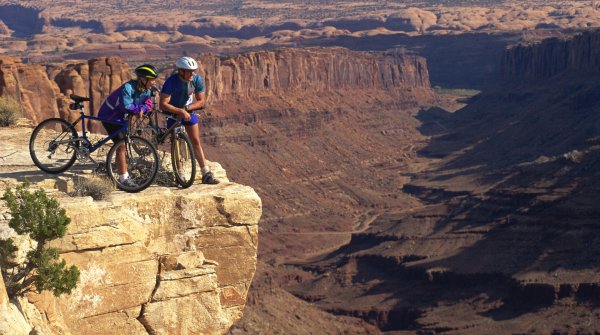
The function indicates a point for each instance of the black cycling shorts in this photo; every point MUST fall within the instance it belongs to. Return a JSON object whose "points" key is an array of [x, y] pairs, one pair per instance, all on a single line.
{"points": [[112, 128]]}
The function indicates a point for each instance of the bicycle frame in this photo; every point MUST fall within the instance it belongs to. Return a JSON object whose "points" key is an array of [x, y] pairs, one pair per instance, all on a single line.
{"points": [[83, 138], [161, 137]]}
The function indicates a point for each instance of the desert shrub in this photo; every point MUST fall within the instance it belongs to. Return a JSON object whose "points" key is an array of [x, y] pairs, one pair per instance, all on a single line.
{"points": [[9, 111], [39, 216], [97, 187]]}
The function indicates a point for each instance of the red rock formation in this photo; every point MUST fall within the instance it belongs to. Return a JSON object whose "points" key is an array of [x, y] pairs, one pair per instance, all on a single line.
{"points": [[29, 84], [106, 74], [43, 92], [298, 74], [318, 69], [552, 56], [286, 77]]}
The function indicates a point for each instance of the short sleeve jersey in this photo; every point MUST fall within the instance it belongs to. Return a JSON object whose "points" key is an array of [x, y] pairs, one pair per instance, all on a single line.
{"points": [[182, 92]]}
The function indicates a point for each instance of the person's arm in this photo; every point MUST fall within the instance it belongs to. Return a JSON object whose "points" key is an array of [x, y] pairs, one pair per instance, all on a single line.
{"points": [[200, 101], [165, 106], [128, 102]]}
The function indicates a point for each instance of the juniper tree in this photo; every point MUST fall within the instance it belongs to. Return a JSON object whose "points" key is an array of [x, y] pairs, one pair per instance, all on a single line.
{"points": [[41, 217]]}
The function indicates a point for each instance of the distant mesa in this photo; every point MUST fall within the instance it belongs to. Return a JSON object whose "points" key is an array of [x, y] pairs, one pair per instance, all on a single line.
{"points": [[411, 19], [222, 28], [94, 25], [24, 21]]}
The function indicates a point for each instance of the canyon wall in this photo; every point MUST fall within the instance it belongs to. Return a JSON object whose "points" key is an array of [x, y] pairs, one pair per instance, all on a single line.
{"points": [[312, 70], [232, 82], [43, 91], [551, 56]]}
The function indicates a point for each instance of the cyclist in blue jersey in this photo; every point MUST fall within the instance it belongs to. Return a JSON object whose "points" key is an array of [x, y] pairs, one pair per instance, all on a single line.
{"points": [[177, 97], [133, 97]]}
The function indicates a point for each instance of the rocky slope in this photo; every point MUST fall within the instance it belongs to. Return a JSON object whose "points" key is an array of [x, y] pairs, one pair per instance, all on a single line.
{"points": [[164, 261], [505, 241]]}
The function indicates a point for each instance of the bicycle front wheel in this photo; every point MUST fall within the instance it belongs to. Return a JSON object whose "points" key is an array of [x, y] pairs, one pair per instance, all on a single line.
{"points": [[138, 158], [183, 159], [52, 145]]}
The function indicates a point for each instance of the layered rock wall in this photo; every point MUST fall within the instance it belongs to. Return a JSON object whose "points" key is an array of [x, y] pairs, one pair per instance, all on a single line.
{"points": [[311, 70], [552, 56], [29, 84], [43, 91], [162, 262], [284, 75]]}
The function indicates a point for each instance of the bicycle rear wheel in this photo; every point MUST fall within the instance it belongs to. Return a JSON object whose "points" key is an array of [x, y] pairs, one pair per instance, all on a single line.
{"points": [[183, 159], [52, 146], [141, 163]]}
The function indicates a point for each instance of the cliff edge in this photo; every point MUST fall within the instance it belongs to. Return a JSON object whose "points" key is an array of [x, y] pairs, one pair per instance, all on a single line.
{"points": [[164, 261]]}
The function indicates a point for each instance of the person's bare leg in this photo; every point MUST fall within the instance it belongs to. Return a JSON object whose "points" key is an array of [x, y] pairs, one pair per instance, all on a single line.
{"points": [[121, 160], [194, 135]]}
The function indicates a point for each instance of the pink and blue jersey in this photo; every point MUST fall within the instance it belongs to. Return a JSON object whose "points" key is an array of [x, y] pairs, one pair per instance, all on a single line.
{"points": [[124, 100]]}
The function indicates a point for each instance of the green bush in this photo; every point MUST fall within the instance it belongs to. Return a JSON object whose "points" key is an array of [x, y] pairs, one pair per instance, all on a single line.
{"points": [[96, 187], [9, 111], [42, 218]]}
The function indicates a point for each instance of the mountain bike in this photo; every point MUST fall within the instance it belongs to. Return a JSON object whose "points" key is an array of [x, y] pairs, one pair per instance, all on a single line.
{"points": [[183, 160], [55, 145]]}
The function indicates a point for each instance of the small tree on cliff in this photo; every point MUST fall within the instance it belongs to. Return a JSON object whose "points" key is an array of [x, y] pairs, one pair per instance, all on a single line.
{"points": [[43, 220]]}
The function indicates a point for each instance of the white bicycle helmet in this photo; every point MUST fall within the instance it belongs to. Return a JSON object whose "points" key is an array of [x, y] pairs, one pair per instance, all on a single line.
{"points": [[186, 63]]}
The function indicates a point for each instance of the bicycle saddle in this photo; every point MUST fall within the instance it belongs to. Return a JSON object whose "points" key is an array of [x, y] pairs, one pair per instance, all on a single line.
{"points": [[77, 98]]}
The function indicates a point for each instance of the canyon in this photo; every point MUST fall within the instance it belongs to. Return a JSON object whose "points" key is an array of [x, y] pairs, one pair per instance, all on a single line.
{"points": [[504, 241]]}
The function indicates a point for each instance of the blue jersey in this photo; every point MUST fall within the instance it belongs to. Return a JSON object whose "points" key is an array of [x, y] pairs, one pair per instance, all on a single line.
{"points": [[181, 91], [125, 99]]}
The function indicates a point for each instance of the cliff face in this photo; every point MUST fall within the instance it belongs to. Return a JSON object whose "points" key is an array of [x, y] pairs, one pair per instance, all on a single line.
{"points": [[29, 84], [295, 71], [552, 56], [43, 92], [253, 81], [160, 262]]}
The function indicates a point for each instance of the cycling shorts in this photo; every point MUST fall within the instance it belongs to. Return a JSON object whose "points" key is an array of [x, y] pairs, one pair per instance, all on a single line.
{"points": [[112, 128], [191, 122]]}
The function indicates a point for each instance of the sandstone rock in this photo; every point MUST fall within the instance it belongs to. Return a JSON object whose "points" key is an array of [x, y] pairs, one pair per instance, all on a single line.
{"points": [[181, 283], [293, 71], [115, 246], [194, 314], [29, 84], [552, 56], [11, 320], [411, 19], [106, 74], [141, 258]]}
